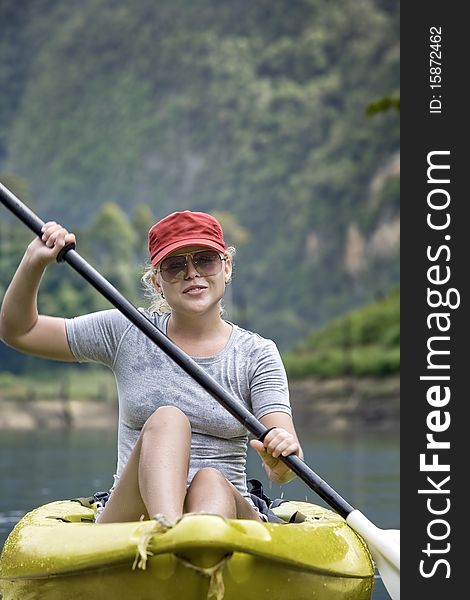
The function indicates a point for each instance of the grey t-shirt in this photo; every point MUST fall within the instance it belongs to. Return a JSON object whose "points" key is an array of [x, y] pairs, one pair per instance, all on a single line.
{"points": [[249, 368]]}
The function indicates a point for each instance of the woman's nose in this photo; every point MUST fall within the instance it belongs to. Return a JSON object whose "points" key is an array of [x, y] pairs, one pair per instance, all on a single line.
{"points": [[191, 270]]}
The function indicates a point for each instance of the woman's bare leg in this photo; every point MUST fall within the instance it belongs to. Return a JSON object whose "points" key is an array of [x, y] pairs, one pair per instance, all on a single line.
{"points": [[211, 492], [155, 476]]}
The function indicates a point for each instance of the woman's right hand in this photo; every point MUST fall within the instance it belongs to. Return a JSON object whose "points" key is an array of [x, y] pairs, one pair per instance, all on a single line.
{"points": [[21, 327], [45, 250]]}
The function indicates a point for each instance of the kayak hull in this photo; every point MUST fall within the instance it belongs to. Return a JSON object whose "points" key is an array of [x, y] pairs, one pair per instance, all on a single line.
{"points": [[57, 553]]}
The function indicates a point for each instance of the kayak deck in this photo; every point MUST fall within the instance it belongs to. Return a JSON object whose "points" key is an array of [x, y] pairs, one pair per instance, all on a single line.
{"points": [[56, 552]]}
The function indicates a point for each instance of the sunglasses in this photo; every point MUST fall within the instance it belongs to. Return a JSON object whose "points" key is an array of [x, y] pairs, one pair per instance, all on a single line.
{"points": [[206, 263]]}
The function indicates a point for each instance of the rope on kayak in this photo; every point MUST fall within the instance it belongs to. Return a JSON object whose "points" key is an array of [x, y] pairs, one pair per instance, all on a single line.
{"points": [[216, 589], [161, 525]]}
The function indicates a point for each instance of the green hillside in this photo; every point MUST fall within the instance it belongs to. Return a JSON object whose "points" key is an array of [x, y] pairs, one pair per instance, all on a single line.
{"points": [[362, 342]]}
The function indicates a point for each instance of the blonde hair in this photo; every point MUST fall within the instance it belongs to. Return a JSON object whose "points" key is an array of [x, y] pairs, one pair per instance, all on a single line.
{"points": [[157, 302]]}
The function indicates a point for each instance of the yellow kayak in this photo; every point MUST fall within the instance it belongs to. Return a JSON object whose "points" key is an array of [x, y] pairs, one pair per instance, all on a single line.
{"points": [[57, 552]]}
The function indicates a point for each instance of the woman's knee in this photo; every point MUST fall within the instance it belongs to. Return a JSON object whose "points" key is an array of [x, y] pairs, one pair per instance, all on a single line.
{"points": [[211, 492], [168, 418], [209, 478]]}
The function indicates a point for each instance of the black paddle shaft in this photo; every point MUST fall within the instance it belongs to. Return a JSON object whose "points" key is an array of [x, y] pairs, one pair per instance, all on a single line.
{"points": [[240, 412]]}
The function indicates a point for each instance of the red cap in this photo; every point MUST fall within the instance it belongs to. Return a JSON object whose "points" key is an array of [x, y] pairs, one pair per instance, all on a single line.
{"points": [[182, 229]]}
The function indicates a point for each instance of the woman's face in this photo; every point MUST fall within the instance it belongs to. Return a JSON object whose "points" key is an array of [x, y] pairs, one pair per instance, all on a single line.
{"points": [[191, 291]]}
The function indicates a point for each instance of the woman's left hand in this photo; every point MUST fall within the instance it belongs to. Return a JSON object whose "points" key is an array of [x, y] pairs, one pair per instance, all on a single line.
{"points": [[278, 442]]}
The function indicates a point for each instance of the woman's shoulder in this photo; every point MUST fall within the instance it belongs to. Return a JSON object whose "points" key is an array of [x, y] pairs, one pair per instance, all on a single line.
{"points": [[113, 318], [260, 354], [255, 340], [158, 319], [110, 316]]}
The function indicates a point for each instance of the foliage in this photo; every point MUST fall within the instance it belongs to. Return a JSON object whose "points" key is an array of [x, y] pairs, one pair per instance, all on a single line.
{"points": [[83, 382], [362, 342], [373, 361], [375, 323], [385, 103]]}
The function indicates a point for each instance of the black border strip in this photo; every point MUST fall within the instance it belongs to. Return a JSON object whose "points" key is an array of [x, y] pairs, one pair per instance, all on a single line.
{"points": [[433, 120]]}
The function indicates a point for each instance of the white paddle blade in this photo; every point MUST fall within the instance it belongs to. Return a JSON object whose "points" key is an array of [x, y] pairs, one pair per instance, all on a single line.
{"points": [[384, 545], [389, 573]]}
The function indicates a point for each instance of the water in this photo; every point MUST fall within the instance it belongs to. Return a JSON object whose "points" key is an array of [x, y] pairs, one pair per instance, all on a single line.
{"points": [[42, 466]]}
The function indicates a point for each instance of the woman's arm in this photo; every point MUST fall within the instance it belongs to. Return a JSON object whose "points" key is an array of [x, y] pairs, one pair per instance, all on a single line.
{"points": [[20, 324], [282, 440]]}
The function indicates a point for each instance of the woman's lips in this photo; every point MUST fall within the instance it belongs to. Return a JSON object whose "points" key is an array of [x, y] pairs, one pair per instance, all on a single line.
{"points": [[194, 290]]}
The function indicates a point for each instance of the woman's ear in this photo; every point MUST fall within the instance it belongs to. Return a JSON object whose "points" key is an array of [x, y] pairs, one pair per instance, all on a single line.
{"points": [[228, 269], [156, 283]]}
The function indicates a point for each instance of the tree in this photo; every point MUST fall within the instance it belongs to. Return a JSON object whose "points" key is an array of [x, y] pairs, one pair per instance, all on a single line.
{"points": [[111, 240]]}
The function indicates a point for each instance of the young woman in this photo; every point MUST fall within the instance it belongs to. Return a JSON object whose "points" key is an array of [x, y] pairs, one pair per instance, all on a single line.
{"points": [[179, 451]]}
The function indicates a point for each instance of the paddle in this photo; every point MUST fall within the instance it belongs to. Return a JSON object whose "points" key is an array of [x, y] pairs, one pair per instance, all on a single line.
{"points": [[383, 544]]}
